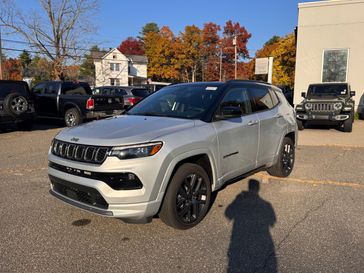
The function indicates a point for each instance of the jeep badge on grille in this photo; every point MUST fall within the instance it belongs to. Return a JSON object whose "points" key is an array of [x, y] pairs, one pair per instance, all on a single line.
{"points": [[75, 139]]}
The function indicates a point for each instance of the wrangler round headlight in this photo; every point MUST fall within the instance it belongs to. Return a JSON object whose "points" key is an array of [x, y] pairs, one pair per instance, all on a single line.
{"points": [[308, 106], [136, 151], [337, 106]]}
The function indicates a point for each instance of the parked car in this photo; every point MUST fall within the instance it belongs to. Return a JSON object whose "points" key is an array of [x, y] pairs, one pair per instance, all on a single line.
{"points": [[16, 104], [172, 149], [130, 94], [73, 102], [327, 104]]}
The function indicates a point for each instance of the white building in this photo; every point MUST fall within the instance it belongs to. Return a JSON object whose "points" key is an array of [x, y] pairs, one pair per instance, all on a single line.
{"points": [[115, 68], [330, 45]]}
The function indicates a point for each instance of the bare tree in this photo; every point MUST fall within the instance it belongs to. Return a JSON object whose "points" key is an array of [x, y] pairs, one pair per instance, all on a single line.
{"points": [[58, 31]]}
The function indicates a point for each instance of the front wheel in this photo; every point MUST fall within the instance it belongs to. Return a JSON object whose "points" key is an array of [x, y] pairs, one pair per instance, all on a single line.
{"points": [[72, 117], [286, 158], [348, 125], [300, 125], [188, 197]]}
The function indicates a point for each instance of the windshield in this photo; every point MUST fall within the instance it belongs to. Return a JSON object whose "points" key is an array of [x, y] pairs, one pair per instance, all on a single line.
{"points": [[328, 89], [178, 101]]}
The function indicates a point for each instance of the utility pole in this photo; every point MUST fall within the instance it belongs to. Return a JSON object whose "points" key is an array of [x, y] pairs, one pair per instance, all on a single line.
{"points": [[220, 63], [1, 58], [236, 60]]}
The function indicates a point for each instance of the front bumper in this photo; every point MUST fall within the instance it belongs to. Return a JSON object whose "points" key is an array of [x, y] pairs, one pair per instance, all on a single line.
{"points": [[125, 204], [322, 117], [102, 114]]}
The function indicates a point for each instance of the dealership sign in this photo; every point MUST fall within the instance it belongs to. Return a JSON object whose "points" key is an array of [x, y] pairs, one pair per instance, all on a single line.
{"points": [[261, 66]]}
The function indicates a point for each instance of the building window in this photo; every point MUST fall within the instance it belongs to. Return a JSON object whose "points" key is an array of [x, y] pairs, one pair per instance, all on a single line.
{"points": [[114, 81], [114, 57], [335, 65], [114, 66]]}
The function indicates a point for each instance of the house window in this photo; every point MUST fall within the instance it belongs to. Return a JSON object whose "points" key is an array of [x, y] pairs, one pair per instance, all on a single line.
{"points": [[114, 57], [114, 81], [114, 66], [335, 65]]}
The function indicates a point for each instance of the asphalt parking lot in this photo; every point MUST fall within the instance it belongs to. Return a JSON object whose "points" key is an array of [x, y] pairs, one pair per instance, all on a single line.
{"points": [[312, 221]]}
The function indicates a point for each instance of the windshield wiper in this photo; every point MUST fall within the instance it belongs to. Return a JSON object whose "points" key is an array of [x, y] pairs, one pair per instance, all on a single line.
{"points": [[152, 114]]}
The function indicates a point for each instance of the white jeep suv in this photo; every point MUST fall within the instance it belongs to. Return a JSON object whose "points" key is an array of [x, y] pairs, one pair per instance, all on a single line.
{"points": [[169, 152]]}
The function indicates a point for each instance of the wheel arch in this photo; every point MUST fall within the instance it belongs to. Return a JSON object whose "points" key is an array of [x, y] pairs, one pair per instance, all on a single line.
{"points": [[68, 106]]}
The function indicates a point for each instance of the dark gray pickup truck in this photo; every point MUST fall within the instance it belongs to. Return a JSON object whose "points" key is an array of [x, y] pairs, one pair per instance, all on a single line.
{"points": [[73, 102]]}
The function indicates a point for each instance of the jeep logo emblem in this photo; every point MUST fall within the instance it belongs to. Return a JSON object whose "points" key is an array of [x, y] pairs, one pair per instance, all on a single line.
{"points": [[75, 139]]}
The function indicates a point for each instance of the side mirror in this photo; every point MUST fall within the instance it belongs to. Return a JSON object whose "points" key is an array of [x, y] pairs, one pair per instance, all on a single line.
{"points": [[303, 94], [229, 111], [352, 93]]}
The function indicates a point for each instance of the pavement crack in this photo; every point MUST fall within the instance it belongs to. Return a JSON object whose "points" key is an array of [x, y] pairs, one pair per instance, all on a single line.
{"points": [[291, 230]]}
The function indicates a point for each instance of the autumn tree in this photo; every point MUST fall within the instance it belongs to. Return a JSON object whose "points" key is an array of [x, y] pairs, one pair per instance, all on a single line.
{"points": [[283, 50], [210, 52], [40, 69], [191, 40], [160, 53], [57, 31], [232, 30], [131, 46], [13, 69]]}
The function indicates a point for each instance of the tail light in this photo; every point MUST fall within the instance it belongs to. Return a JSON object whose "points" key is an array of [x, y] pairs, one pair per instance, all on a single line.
{"points": [[90, 104], [134, 100]]}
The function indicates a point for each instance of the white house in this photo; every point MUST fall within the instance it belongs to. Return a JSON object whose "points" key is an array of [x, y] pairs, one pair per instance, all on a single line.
{"points": [[116, 68]]}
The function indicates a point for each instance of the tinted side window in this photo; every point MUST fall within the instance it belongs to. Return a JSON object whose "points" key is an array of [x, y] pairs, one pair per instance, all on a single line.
{"points": [[52, 88], [120, 92], [39, 88], [261, 98], [74, 89], [237, 96], [140, 92], [274, 97]]}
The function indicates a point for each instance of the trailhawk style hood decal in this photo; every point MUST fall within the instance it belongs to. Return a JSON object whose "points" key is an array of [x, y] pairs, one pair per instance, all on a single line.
{"points": [[123, 130]]}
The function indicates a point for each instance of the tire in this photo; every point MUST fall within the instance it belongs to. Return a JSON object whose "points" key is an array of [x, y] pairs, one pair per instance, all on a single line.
{"points": [[286, 158], [188, 197], [72, 117], [348, 125], [300, 125], [15, 104], [26, 125]]}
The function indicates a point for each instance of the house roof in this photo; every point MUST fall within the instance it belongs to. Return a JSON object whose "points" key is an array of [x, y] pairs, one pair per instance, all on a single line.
{"points": [[137, 58], [98, 55]]}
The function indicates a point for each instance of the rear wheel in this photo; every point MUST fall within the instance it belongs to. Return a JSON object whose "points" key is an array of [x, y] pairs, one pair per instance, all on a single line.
{"points": [[300, 125], [348, 125], [72, 117], [15, 104], [188, 197], [286, 158]]}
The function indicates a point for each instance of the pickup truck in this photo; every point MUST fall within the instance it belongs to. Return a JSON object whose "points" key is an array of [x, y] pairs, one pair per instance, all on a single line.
{"points": [[73, 102]]}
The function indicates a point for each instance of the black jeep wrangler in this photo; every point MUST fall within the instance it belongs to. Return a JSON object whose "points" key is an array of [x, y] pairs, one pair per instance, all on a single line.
{"points": [[327, 104], [16, 104]]}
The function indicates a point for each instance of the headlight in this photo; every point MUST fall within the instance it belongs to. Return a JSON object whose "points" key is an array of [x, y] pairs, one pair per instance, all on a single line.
{"points": [[308, 106], [337, 106], [136, 151], [299, 107]]}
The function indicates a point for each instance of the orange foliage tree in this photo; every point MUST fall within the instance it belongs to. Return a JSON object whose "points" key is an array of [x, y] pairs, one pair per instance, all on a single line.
{"points": [[13, 69]]}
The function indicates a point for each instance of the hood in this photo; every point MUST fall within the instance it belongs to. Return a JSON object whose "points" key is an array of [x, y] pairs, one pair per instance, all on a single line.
{"points": [[324, 99], [124, 130]]}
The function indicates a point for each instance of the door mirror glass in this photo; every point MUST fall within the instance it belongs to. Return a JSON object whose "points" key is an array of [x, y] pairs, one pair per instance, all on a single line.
{"points": [[303, 94], [229, 111], [352, 93]]}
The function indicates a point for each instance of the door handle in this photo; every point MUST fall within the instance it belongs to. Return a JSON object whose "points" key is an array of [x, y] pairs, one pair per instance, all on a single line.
{"points": [[252, 122]]}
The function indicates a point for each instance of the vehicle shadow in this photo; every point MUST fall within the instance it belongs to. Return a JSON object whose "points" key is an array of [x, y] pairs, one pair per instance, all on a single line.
{"points": [[38, 125], [251, 246]]}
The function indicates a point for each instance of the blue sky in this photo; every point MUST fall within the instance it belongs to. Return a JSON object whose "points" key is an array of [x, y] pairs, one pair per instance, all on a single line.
{"points": [[116, 20]]}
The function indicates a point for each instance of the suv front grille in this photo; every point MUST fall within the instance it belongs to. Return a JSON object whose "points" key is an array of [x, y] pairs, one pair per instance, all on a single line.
{"points": [[322, 107], [78, 152]]}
